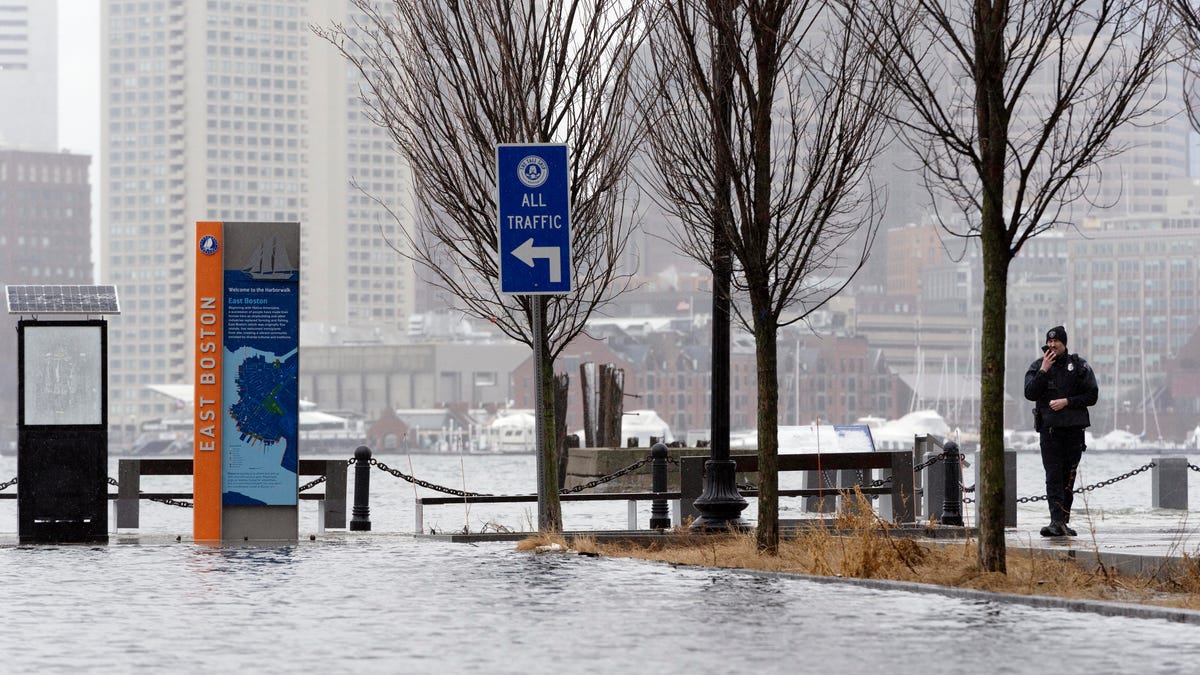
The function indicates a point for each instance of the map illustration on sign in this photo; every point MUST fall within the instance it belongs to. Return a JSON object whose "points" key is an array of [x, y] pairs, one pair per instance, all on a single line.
{"points": [[260, 416]]}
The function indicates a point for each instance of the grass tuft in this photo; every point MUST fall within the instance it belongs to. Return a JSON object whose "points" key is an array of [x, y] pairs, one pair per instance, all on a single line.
{"points": [[857, 544]]}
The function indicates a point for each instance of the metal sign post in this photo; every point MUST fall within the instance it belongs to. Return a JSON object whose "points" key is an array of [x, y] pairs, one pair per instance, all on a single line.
{"points": [[534, 247]]}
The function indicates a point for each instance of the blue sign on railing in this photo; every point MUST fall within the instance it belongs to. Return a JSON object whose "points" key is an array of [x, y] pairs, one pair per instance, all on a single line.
{"points": [[535, 218]]}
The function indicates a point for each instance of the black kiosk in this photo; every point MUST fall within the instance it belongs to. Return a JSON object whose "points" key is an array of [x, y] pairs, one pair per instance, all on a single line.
{"points": [[62, 412]]}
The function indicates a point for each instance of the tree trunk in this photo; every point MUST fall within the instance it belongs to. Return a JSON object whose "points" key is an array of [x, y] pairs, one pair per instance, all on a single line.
{"points": [[766, 351], [992, 120], [550, 517], [990, 493]]}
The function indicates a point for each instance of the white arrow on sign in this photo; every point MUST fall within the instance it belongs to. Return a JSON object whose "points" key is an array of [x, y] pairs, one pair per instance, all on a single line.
{"points": [[527, 253]]}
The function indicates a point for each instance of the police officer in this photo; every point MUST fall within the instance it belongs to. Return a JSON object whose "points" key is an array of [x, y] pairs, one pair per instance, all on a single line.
{"points": [[1062, 386]]}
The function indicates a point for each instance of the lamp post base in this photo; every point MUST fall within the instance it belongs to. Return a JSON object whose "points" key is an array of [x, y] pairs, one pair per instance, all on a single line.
{"points": [[720, 504]]}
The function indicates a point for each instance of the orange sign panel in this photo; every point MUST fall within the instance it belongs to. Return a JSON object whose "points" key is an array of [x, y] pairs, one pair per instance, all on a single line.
{"points": [[206, 457]]}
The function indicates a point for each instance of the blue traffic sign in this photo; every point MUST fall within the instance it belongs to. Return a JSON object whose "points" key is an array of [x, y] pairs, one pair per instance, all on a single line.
{"points": [[535, 218]]}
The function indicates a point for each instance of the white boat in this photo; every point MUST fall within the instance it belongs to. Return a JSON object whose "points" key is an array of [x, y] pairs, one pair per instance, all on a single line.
{"points": [[824, 438], [899, 434], [319, 431], [513, 431], [644, 425], [509, 432]]}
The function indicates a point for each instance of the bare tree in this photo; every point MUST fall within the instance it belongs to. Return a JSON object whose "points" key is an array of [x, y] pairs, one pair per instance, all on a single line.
{"points": [[1188, 14], [1012, 106], [450, 81], [782, 176]]}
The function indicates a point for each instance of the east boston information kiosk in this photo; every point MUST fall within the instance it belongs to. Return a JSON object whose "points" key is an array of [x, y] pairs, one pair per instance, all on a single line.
{"points": [[247, 401], [62, 412]]}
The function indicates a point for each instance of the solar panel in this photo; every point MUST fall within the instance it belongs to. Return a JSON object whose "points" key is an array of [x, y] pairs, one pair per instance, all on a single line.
{"points": [[62, 300]]}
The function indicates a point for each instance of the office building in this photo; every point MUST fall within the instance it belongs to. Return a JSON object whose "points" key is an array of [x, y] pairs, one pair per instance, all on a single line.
{"points": [[1134, 307], [45, 200], [29, 74], [236, 111]]}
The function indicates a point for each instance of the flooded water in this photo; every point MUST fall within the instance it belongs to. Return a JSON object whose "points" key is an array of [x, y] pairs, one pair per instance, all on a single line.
{"points": [[391, 604], [1125, 503], [388, 603]]}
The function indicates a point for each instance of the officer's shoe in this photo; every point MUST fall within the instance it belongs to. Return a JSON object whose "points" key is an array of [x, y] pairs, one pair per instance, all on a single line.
{"points": [[1069, 532], [1054, 529]]}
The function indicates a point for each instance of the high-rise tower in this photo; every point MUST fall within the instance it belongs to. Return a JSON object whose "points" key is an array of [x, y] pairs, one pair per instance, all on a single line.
{"points": [[29, 74], [236, 111]]}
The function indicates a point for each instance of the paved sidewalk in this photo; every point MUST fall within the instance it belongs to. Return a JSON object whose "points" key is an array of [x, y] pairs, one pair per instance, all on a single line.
{"points": [[1129, 548]]}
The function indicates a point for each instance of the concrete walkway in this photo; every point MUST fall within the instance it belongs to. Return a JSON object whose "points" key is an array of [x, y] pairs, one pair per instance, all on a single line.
{"points": [[1126, 548]]}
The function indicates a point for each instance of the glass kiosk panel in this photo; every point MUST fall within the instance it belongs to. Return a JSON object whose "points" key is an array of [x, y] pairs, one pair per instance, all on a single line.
{"points": [[63, 376]]}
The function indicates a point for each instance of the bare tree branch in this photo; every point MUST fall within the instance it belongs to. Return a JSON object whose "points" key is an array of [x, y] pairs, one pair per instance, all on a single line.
{"points": [[804, 130], [1011, 107], [450, 81]]}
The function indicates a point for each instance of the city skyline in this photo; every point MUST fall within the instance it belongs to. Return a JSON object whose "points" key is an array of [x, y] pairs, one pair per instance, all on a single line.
{"points": [[80, 120], [79, 95]]}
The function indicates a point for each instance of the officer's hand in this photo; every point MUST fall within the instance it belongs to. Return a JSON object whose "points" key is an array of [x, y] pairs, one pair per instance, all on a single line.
{"points": [[1058, 404], [1047, 360]]}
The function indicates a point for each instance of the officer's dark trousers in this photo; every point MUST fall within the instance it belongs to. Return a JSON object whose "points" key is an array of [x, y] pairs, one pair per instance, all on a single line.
{"points": [[1061, 449]]}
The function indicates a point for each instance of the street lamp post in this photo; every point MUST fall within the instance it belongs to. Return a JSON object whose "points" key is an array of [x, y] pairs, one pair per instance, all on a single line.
{"points": [[720, 505]]}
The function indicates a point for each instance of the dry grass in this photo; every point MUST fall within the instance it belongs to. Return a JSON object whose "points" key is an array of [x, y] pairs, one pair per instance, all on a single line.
{"points": [[858, 545]]}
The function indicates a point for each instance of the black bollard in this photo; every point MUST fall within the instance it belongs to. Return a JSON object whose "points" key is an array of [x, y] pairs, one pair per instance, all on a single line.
{"points": [[361, 518], [952, 504], [660, 517]]}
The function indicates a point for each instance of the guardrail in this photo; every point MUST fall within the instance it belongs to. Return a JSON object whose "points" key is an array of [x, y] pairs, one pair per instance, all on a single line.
{"points": [[129, 494], [901, 508], [898, 484]]}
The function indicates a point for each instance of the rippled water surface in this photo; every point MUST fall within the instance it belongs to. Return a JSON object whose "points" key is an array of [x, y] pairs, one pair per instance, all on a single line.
{"points": [[388, 603]]}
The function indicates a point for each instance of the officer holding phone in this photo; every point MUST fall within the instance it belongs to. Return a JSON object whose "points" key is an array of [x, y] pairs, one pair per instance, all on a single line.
{"points": [[1062, 387]]}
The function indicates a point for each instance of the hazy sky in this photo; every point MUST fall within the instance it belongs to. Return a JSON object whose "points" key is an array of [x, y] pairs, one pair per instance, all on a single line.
{"points": [[79, 90]]}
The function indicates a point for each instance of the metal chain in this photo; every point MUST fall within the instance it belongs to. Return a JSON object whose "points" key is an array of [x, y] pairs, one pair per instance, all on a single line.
{"points": [[1193, 467], [880, 482], [1093, 486], [172, 502], [8, 484], [930, 462], [313, 484], [417, 481], [605, 479], [161, 500], [463, 493]]}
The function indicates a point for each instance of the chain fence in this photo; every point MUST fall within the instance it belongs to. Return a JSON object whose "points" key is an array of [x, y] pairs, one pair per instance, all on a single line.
{"points": [[634, 467], [417, 481], [161, 500], [463, 493], [606, 479], [311, 484], [1093, 486]]}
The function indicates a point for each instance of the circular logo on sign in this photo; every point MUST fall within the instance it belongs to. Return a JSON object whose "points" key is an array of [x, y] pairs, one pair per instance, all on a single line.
{"points": [[533, 171], [209, 244]]}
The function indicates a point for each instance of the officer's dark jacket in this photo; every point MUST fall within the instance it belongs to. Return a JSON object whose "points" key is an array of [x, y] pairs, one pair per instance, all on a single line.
{"points": [[1071, 378]]}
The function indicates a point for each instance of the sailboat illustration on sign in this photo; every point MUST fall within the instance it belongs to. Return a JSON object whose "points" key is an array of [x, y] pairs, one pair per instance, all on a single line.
{"points": [[269, 261]]}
